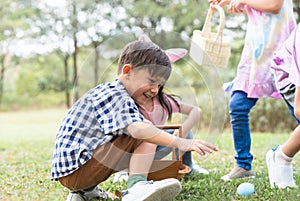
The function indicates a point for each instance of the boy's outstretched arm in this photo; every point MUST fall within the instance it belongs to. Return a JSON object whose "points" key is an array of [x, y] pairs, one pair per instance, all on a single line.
{"points": [[150, 133]]}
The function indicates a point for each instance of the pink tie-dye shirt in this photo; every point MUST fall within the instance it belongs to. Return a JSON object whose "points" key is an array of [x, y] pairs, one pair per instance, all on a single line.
{"points": [[159, 115], [265, 34]]}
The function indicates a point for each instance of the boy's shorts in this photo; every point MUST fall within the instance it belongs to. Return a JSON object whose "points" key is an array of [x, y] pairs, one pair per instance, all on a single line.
{"points": [[107, 159], [288, 94]]}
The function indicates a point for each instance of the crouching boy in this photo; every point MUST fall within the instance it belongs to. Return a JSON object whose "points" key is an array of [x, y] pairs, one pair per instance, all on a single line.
{"points": [[104, 132]]}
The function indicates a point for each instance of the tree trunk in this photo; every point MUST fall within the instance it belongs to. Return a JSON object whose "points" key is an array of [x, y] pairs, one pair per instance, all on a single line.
{"points": [[2, 70], [96, 67], [67, 87], [65, 57], [75, 73]]}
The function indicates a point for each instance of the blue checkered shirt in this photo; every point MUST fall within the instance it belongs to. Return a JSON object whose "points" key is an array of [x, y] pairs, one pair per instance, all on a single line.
{"points": [[96, 118]]}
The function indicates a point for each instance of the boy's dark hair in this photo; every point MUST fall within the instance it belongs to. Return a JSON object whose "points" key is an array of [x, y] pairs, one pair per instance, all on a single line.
{"points": [[145, 54]]}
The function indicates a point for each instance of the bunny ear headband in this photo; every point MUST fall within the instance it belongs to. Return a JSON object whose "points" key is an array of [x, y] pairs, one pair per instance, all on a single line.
{"points": [[174, 54]]}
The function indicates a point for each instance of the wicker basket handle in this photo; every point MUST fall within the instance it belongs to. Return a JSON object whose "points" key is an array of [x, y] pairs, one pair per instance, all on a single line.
{"points": [[174, 150], [207, 25]]}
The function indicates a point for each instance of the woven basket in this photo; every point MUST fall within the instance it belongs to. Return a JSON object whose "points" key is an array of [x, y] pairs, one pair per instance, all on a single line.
{"points": [[163, 169], [208, 48]]}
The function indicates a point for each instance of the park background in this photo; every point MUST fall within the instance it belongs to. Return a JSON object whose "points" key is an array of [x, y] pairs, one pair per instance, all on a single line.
{"points": [[54, 51]]}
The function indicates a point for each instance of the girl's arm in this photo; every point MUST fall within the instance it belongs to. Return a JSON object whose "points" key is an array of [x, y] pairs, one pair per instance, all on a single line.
{"points": [[193, 117], [268, 6]]}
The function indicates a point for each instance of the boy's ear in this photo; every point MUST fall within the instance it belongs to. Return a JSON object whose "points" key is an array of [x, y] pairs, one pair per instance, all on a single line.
{"points": [[126, 68]]}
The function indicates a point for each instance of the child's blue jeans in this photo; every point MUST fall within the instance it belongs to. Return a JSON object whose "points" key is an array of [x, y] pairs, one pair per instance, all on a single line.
{"points": [[239, 109], [162, 151]]}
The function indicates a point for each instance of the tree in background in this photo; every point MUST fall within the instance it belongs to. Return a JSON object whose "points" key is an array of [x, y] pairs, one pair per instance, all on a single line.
{"points": [[297, 9], [13, 16], [74, 25]]}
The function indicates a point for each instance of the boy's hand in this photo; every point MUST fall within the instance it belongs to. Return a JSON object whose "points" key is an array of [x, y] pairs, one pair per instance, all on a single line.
{"points": [[199, 146]]}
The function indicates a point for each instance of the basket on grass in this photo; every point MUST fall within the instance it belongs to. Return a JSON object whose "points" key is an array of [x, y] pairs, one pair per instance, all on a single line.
{"points": [[163, 169], [209, 48]]}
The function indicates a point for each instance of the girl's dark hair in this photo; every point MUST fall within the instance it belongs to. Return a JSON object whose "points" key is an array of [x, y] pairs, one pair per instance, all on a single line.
{"points": [[144, 54], [165, 103]]}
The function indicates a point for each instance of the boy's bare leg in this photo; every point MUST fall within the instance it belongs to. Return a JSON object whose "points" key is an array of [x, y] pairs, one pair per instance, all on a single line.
{"points": [[292, 145], [138, 186], [142, 158], [279, 161]]}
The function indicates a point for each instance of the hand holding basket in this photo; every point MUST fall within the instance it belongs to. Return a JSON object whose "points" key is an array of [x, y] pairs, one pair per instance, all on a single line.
{"points": [[208, 48]]}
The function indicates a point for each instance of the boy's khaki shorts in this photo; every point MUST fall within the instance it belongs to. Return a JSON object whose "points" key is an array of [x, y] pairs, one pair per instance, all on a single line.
{"points": [[107, 159]]}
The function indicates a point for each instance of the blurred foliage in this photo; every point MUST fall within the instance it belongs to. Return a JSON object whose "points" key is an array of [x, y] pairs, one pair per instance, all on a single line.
{"points": [[272, 115], [102, 29]]}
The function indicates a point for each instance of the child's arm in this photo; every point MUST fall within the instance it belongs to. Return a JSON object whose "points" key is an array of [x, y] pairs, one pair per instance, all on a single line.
{"points": [[296, 70], [193, 117], [150, 133], [268, 6]]}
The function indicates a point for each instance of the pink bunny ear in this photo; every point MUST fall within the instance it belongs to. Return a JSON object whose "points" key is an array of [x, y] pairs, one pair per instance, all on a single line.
{"points": [[175, 54], [144, 37]]}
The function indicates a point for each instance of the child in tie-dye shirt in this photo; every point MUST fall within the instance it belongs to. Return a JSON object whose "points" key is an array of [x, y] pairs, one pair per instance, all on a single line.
{"points": [[270, 22]]}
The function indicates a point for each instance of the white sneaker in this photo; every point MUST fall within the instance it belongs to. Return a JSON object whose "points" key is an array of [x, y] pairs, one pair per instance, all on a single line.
{"points": [[164, 190], [75, 197], [279, 174], [86, 195], [121, 175], [199, 170]]}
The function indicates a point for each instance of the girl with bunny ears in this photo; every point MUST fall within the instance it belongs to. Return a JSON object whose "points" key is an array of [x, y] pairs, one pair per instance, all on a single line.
{"points": [[161, 107]]}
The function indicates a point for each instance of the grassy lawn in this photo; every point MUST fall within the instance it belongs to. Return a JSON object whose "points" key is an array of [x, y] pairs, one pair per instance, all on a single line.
{"points": [[26, 146]]}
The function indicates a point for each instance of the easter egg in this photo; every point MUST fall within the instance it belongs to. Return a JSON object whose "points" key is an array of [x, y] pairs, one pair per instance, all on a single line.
{"points": [[245, 189]]}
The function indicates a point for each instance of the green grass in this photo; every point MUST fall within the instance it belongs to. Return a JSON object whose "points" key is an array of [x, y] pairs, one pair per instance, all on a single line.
{"points": [[26, 146]]}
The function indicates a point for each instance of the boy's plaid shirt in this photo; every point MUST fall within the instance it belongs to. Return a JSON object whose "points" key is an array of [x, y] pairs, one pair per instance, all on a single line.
{"points": [[96, 118]]}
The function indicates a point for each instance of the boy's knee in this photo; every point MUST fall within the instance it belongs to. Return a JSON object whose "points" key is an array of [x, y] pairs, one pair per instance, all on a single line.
{"points": [[146, 147]]}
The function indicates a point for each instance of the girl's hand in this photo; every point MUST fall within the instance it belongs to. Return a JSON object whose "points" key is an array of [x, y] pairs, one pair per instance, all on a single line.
{"points": [[220, 2], [236, 6], [176, 133]]}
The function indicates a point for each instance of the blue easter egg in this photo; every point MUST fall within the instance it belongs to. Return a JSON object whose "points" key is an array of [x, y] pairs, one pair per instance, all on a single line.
{"points": [[245, 189]]}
